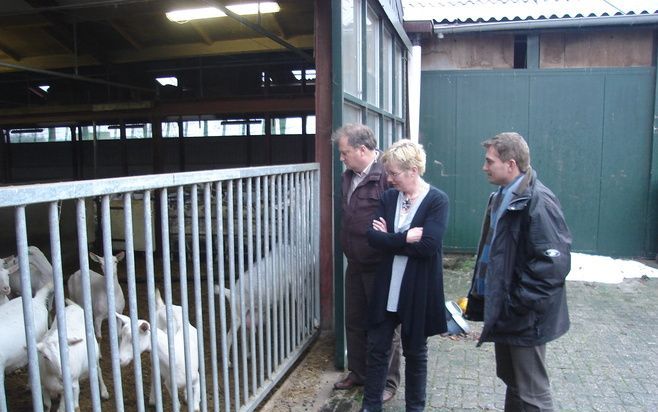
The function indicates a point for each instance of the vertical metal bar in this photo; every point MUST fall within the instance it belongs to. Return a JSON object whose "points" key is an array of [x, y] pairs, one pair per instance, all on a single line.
{"points": [[182, 276], [299, 255], [221, 295], [156, 389], [210, 288], [316, 241], [86, 298], [260, 276], [60, 317], [294, 260], [307, 252], [233, 299], [277, 269], [166, 268], [284, 274], [28, 314], [198, 304], [242, 307], [268, 272], [251, 282], [132, 298], [110, 280]]}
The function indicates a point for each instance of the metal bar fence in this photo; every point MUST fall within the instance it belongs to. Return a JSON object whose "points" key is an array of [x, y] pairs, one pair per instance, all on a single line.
{"points": [[224, 343]]}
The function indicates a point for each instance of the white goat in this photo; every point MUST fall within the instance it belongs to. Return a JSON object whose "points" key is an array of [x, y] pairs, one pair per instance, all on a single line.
{"points": [[41, 271], [144, 344], [5, 288], [98, 292], [13, 346], [259, 269], [50, 362]]}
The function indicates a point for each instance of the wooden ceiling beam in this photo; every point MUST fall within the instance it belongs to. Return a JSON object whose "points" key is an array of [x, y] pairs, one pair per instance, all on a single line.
{"points": [[10, 52], [126, 34], [202, 33], [282, 33]]}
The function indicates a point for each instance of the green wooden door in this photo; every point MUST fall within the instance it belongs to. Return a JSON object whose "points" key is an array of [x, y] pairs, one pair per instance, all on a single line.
{"points": [[589, 133]]}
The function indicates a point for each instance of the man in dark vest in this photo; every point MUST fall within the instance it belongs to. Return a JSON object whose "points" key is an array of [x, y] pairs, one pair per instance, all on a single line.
{"points": [[363, 183], [518, 285]]}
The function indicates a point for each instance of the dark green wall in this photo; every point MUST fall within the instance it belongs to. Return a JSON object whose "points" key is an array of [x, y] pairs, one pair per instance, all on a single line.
{"points": [[590, 136]]}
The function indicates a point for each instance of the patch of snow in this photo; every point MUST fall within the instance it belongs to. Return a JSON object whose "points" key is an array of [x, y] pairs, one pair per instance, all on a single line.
{"points": [[604, 269]]}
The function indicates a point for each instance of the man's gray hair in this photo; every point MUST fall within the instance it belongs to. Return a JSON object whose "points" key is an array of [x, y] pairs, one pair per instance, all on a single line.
{"points": [[510, 145], [357, 135]]}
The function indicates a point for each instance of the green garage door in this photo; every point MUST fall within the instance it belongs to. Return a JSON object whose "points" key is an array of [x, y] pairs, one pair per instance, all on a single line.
{"points": [[590, 135]]}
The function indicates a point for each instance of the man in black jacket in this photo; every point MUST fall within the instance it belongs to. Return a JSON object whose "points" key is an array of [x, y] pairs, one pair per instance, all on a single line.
{"points": [[518, 288], [363, 183]]}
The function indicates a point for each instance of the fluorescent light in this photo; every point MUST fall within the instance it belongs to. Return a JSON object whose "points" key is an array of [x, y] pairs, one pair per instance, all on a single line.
{"points": [[182, 16], [167, 81]]}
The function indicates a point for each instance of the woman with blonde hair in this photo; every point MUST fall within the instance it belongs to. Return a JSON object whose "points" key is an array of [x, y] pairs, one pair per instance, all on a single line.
{"points": [[408, 228]]}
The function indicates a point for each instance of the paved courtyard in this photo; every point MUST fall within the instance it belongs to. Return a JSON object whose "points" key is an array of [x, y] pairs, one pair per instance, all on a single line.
{"points": [[607, 362]]}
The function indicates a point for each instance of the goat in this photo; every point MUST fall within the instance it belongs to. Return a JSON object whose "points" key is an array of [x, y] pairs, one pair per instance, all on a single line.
{"points": [[50, 363], [5, 288], [99, 298], [144, 344], [41, 271], [258, 269], [13, 345]]}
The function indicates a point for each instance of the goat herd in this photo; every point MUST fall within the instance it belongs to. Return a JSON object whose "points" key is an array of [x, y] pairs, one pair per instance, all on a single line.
{"points": [[13, 350]]}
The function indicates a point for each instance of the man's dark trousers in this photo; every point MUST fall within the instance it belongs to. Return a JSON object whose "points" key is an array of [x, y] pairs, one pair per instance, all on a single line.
{"points": [[523, 369], [359, 281]]}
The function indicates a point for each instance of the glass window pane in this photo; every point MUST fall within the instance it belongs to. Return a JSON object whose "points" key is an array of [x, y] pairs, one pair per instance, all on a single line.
{"points": [[170, 130], [28, 135], [139, 131], [373, 122], [372, 56], [310, 124], [351, 46], [194, 128], [388, 132], [387, 71], [256, 127], [351, 114], [287, 125], [399, 81], [86, 132]]}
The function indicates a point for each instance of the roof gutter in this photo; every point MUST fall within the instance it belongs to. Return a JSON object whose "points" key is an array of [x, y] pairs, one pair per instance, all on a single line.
{"points": [[573, 22]]}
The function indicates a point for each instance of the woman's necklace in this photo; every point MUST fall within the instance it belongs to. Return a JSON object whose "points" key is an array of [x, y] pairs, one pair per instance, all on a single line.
{"points": [[408, 201]]}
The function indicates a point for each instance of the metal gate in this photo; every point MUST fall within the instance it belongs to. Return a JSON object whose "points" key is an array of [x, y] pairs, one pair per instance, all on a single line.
{"points": [[234, 255]]}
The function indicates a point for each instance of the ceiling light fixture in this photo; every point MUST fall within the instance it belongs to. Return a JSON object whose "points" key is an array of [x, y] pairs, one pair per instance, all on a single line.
{"points": [[183, 16]]}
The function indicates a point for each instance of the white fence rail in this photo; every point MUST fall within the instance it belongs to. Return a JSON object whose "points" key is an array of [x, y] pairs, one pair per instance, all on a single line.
{"points": [[233, 253]]}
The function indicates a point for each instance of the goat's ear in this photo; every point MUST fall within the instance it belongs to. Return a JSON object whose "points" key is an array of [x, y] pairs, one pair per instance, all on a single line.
{"points": [[123, 318], [120, 256], [144, 326], [95, 257]]}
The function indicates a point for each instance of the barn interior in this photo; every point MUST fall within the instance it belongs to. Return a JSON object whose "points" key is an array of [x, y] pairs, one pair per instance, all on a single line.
{"points": [[106, 88]]}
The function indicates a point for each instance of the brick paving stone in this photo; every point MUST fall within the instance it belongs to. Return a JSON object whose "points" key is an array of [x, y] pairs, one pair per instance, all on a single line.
{"points": [[608, 361]]}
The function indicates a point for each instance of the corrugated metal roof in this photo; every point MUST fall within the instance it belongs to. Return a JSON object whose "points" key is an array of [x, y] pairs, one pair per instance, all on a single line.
{"points": [[460, 11]]}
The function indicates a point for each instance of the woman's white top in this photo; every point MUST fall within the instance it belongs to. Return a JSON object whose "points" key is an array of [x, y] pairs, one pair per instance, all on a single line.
{"points": [[402, 222]]}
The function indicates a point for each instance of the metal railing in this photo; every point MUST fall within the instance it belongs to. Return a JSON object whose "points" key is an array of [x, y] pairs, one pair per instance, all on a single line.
{"points": [[251, 237]]}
